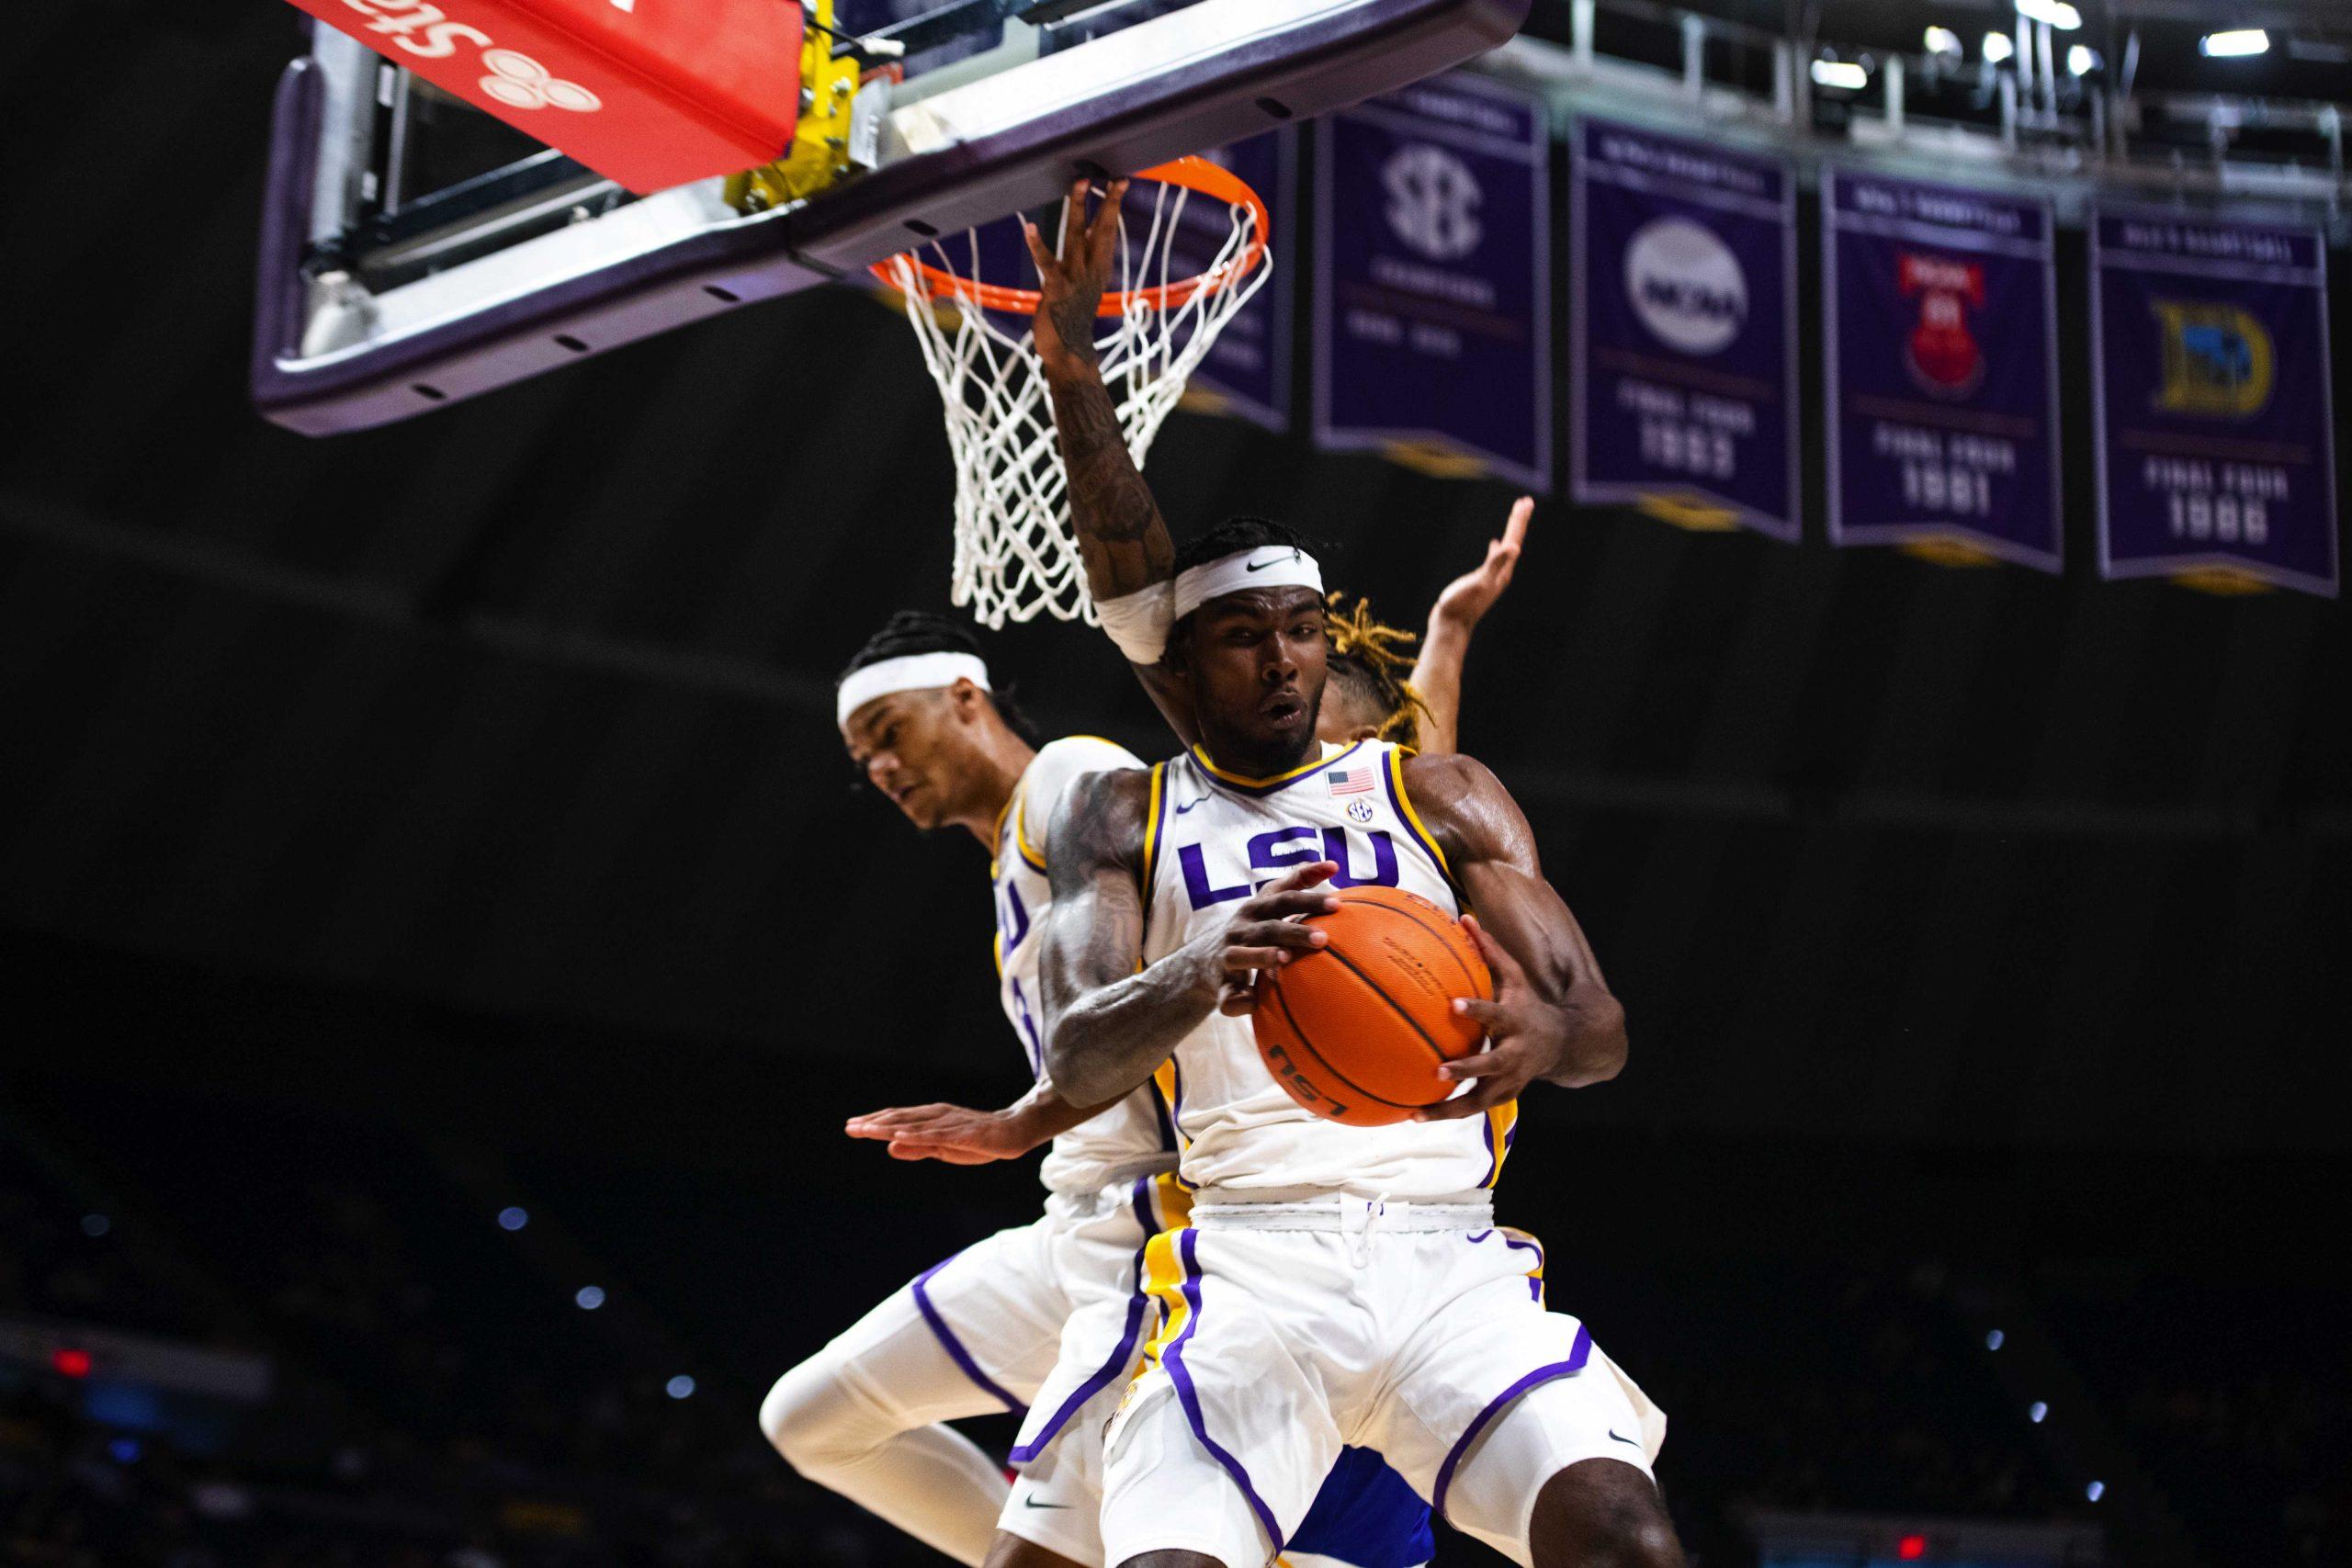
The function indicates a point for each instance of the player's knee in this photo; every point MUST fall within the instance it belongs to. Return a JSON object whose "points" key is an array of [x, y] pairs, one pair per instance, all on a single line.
{"points": [[1600, 1514], [811, 1419]]}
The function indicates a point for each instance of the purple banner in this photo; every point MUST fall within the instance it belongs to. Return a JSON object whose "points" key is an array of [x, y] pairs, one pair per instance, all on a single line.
{"points": [[1940, 305], [1248, 369], [2209, 341], [1432, 306], [1684, 342]]}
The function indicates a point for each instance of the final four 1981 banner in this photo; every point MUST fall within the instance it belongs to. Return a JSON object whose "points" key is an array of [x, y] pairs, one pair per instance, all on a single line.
{"points": [[1941, 367], [1684, 357], [2213, 400], [1433, 319]]}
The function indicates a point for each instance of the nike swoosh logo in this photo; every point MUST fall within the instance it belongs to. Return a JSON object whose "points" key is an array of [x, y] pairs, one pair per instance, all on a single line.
{"points": [[1627, 1441], [1263, 564], [1033, 1503], [1190, 804]]}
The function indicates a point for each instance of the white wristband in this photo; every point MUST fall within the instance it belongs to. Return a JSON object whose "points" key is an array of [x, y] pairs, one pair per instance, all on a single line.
{"points": [[1138, 622]]}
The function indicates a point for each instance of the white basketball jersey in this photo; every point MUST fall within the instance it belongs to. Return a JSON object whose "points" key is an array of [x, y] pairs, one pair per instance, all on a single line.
{"points": [[1132, 1136], [1214, 839]]}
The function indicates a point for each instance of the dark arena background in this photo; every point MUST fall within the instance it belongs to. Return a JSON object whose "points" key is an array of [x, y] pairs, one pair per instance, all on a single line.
{"points": [[441, 937]]}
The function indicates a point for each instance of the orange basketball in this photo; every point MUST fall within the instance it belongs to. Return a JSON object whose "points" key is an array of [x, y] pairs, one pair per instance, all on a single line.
{"points": [[1355, 1032]]}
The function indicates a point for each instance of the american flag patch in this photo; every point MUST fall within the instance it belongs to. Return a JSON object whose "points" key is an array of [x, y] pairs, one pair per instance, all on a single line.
{"points": [[1351, 781]]}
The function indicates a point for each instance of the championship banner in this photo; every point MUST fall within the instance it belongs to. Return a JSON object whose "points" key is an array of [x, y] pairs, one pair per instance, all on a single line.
{"points": [[2209, 341], [1433, 276], [1683, 348], [1941, 363], [1247, 371]]}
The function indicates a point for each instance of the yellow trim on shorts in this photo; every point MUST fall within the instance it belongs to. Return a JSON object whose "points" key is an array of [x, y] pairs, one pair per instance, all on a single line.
{"points": [[1163, 1282], [1536, 1273], [1500, 1120]]}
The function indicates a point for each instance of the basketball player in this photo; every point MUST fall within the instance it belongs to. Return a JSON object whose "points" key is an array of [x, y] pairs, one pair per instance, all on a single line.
{"points": [[1129, 558], [1338, 1286], [983, 1331]]}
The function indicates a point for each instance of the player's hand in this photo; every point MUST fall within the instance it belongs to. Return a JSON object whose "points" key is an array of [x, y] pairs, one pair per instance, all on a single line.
{"points": [[1527, 1037], [1265, 933], [953, 1133], [1468, 597], [1071, 285]]}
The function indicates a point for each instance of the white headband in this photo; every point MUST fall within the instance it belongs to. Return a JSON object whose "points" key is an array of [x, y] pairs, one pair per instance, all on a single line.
{"points": [[915, 672], [1268, 566]]}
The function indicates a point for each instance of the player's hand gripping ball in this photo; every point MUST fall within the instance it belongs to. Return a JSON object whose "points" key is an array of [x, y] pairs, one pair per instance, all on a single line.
{"points": [[1356, 1029]]}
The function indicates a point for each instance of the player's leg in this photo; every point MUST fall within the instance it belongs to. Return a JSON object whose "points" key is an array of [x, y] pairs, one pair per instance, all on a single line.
{"points": [[863, 1417], [1520, 1432]]}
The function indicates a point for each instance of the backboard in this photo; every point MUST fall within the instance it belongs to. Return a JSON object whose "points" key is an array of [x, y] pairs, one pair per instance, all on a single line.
{"points": [[415, 251]]}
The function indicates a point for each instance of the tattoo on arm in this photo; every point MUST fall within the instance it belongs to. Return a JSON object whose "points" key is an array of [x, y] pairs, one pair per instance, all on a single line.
{"points": [[1121, 538], [1109, 1023]]}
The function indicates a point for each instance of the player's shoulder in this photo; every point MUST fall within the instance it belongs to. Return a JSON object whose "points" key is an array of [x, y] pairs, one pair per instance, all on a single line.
{"points": [[1444, 776], [1058, 765]]}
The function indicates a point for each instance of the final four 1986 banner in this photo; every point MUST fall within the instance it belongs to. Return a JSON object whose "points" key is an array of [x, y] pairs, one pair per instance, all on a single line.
{"points": [[1941, 367], [1684, 359], [1433, 319], [2214, 400]]}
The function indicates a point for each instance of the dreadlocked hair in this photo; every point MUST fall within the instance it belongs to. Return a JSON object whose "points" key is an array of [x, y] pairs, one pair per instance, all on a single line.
{"points": [[1370, 660], [909, 632]]}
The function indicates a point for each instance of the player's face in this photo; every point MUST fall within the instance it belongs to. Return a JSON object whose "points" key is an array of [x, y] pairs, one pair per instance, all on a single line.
{"points": [[1256, 665], [911, 747]]}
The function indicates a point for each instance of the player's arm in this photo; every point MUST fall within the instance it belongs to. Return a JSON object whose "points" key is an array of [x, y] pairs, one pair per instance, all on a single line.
{"points": [[1121, 538], [961, 1136], [1553, 1017], [1436, 674], [1110, 1021]]}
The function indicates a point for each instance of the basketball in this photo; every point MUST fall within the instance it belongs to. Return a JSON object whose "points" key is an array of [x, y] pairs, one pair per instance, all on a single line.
{"points": [[1355, 1032]]}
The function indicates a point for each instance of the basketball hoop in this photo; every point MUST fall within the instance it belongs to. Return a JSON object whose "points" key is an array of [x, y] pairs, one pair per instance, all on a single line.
{"points": [[1016, 556]]}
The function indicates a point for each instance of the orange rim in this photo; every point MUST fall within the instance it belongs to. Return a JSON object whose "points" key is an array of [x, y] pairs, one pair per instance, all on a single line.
{"points": [[1196, 174]]}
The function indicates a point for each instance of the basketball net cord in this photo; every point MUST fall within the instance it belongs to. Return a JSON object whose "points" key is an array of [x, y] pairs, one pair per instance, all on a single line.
{"points": [[1016, 554]]}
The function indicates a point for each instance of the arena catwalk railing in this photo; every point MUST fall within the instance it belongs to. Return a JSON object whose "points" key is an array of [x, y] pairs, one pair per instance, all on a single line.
{"points": [[2028, 116]]}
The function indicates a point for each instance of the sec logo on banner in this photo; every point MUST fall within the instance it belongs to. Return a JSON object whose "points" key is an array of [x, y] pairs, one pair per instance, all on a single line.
{"points": [[1686, 286], [1433, 199]]}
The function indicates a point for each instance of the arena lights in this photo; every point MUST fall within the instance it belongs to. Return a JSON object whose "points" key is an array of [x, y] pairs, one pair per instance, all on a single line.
{"points": [[1943, 40], [2056, 13], [2095, 1491], [2038, 1412], [126, 1450], [2234, 43], [1844, 73], [679, 1387], [2082, 60], [1912, 1547], [95, 1225], [588, 1297], [512, 1218], [1997, 48], [1994, 1339], [69, 1362]]}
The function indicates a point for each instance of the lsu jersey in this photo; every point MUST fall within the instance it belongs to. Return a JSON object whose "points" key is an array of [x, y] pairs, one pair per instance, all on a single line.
{"points": [[1215, 838], [1133, 1136]]}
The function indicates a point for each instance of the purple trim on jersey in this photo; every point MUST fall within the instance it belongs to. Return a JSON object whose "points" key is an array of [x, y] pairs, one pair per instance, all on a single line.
{"points": [[955, 1347], [1391, 769], [1025, 1453], [1190, 1398], [1145, 1216], [1579, 1353], [1259, 791]]}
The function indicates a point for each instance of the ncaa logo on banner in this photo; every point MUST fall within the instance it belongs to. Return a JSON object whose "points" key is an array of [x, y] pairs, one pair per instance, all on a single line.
{"points": [[2218, 361], [1686, 286], [1433, 201]]}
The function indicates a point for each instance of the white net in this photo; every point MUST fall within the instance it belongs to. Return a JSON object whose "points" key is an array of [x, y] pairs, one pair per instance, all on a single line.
{"points": [[1016, 556]]}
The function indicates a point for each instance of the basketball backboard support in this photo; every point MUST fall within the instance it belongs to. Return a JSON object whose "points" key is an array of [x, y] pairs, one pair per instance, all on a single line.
{"points": [[416, 253]]}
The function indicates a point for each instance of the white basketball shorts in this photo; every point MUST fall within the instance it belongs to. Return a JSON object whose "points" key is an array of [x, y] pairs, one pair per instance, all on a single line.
{"points": [[1290, 1331]]}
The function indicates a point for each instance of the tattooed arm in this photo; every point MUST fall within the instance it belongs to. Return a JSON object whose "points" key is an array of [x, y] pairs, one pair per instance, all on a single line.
{"points": [[1121, 538], [1110, 1020]]}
